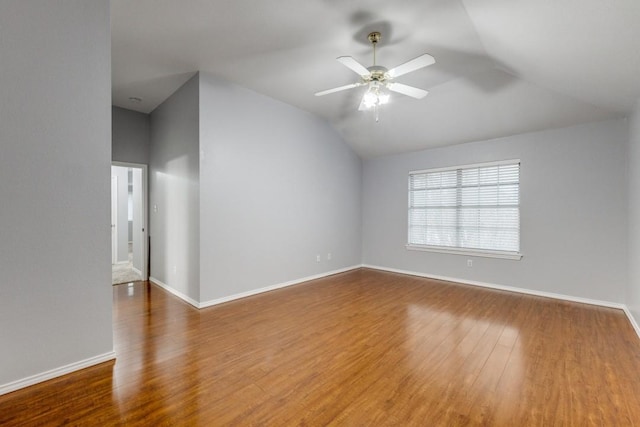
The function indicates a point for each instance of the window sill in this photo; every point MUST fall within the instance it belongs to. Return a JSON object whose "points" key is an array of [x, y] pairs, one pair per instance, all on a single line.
{"points": [[468, 252]]}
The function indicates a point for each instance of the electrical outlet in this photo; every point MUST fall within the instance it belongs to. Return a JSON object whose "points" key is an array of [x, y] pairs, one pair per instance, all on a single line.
{"points": [[329, 256], [317, 258], [469, 263]]}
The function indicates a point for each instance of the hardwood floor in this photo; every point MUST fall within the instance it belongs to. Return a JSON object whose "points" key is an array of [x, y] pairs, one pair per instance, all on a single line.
{"points": [[358, 348]]}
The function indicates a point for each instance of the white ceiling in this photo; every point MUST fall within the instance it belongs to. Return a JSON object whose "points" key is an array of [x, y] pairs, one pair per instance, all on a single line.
{"points": [[503, 67]]}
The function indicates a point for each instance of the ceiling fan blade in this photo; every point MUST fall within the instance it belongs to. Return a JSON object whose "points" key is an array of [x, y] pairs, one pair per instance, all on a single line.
{"points": [[354, 65], [411, 91], [337, 89], [412, 65]]}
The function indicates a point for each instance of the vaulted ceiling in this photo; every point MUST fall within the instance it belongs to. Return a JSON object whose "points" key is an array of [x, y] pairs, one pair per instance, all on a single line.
{"points": [[502, 67]]}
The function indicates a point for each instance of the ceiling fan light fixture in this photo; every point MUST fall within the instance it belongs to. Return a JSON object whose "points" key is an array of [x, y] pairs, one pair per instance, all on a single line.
{"points": [[375, 96], [370, 99]]}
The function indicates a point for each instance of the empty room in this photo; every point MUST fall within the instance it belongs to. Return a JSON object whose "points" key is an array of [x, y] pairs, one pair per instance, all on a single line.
{"points": [[359, 213]]}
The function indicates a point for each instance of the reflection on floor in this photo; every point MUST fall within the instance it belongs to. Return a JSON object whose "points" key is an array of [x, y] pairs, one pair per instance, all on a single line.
{"points": [[124, 272]]}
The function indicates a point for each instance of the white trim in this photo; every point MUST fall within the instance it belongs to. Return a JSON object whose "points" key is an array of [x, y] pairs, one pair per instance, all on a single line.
{"points": [[563, 297], [632, 320], [465, 251], [114, 220], [135, 270], [469, 166], [233, 297], [57, 372], [175, 292], [274, 287], [525, 291], [502, 287]]}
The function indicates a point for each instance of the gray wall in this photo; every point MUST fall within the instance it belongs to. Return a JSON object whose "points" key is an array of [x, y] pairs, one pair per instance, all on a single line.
{"points": [[573, 212], [55, 155], [633, 290], [174, 190], [278, 187], [130, 136]]}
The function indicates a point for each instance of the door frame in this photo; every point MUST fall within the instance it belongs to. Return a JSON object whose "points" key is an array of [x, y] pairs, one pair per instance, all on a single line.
{"points": [[114, 220], [145, 212]]}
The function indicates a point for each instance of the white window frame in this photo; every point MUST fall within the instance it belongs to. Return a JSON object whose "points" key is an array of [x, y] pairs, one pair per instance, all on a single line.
{"points": [[513, 255]]}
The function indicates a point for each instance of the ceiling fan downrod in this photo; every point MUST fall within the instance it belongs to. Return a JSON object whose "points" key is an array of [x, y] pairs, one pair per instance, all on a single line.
{"points": [[374, 38]]}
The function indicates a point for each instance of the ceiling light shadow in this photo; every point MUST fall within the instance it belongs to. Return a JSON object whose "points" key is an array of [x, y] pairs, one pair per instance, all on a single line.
{"points": [[452, 64], [385, 28]]}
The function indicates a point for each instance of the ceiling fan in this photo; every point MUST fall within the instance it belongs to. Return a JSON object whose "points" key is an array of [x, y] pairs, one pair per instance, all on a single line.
{"points": [[379, 79]]}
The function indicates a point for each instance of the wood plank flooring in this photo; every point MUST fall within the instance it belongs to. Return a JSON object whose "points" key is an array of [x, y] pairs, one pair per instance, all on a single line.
{"points": [[363, 348]]}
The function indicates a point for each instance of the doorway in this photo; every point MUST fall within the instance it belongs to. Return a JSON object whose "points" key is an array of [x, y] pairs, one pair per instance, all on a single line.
{"points": [[129, 222]]}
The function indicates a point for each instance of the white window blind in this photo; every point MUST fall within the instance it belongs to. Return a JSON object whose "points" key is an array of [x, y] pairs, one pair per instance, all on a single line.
{"points": [[466, 208]]}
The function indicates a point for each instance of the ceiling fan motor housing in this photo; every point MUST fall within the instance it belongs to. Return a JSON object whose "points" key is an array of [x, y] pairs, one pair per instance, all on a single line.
{"points": [[378, 73]]}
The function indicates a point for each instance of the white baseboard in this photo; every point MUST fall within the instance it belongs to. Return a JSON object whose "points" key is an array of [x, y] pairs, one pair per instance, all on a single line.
{"points": [[632, 319], [601, 303], [526, 291], [502, 287], [247, 293], [57, 372], [274, 287], [135, 270], [177, 293]]}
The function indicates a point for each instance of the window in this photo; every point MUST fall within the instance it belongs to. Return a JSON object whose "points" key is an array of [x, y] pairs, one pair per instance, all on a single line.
{"points": [[471, 210]]}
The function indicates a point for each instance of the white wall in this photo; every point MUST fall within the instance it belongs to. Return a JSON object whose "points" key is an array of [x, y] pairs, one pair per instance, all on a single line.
{"points": [[55, 151], [122, 174], [174, 189], [633, 289], [130, 136], [278, 186], [573, 212]]}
